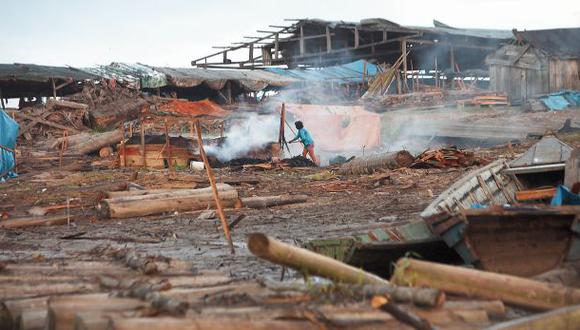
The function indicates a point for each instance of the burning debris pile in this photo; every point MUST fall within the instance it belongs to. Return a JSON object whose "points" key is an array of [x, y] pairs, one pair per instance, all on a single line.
{"points": [[447, 157]]}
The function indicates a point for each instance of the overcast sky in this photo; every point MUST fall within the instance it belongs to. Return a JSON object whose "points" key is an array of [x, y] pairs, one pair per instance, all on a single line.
{"points": [[173, 32]]}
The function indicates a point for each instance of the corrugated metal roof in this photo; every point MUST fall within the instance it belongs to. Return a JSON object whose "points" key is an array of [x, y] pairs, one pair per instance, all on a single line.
{"points": [[350, 72], [132, 75], [40, 73], [548, 150], [252, 80], [556, 42]]}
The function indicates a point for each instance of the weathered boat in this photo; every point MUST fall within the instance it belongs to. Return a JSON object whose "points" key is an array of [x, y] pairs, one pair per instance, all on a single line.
{"points": [[377, 250]]}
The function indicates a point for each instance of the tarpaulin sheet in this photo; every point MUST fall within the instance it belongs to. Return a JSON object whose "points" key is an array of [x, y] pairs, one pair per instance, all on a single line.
{"points": [[8, 134], [562, 100], [339, 128], [204, 108], [564, 196]]}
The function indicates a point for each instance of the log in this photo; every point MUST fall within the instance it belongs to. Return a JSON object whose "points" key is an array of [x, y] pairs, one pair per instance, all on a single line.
{"points": [[567, 275], [95, 142], [91, 321], [476, 283], [425, 297], [65, 104], [269, 201], [62, 310], [308, 262], [384, 304], [560, 319], [207, 323], [180, 200], [105, 152], [133, 260], [112, 114], [34, 221], [369, 164], [117, 194], [41, 290], [494, 308], [10, 310]]}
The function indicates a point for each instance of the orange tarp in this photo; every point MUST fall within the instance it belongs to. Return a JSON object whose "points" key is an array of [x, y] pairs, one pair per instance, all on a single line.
{"points": [[339, 128], [194, 109]]}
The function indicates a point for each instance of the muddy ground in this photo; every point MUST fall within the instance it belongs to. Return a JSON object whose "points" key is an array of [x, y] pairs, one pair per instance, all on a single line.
{"points": [[339, 206]]}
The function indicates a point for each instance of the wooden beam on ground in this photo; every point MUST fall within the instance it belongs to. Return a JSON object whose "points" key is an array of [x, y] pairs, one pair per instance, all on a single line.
{"points": [[535, 194]]}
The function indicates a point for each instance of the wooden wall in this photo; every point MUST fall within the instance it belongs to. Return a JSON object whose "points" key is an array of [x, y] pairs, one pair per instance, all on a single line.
{"points": [[564, 74], [517, 82]]}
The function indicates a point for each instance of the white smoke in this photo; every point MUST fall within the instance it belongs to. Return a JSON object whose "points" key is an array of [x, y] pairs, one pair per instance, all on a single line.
{"points": [[252, 132]]}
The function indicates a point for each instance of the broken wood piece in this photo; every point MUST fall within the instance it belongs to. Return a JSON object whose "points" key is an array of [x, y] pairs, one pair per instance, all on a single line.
{"points": [[476, 283], [535, 194], [133, 260], [308, 262], [236, 220], [268, 201], [32, 319], [175, 201], [154, 323], [384, 304], [94, 142], [52, 103], [494, 308], [11, 310], [562, 318]]}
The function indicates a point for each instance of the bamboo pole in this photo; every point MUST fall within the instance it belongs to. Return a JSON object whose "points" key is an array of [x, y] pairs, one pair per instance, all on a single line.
{"points": [[211, 178], [308, 262], [475, 283]]}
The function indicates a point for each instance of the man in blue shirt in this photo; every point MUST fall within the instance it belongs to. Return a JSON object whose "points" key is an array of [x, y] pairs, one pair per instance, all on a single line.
{"points": [[306, 140]]}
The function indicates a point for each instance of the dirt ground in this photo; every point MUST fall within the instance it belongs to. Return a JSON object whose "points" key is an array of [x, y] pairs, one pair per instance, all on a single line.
{"points": [[340, 206]]}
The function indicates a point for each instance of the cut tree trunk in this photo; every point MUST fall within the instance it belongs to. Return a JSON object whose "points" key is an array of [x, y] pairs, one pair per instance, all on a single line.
{"points": [[181, 200], [34, 221], [475, 283], [112, 114], [94, 142], [52, 103], [10, 310], [32, 319], [268, 201], [368, 165], [207, 323]]}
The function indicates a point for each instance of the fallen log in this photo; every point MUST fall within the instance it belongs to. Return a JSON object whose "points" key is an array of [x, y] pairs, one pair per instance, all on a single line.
{"points": [[208, 323], [113, 113], [494, 308], [34, 221], [94, 142], [475, 283], [425, 297], [32, 319], [369, 164], [567, 275], [41, 290], [268, 201], [117, 194], [174, 201], [562, 318], [66, 104]]}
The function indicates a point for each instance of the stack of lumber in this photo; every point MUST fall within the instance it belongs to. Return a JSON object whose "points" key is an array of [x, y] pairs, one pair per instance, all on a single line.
{"points": [[447, 157], [485, 100], [382, 81]]}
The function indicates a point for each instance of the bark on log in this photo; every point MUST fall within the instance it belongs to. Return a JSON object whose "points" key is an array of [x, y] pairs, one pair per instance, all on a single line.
{"points": [[367, 165], [31, 291], [95, 142], [32, 319], [268, 201], [475, 283], [559, 319], [308, 262], [62, 310], [494, 308], [118, 194], [179, 200], [567, 275]]}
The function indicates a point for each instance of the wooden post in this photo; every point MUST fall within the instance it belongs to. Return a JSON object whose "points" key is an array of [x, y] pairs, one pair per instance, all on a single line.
{"points": [[452, 63], [328, 40], [225, 60], [211, 178], [301, 40], [63, 147], [143, 156], [122, 144], [384, 36], [2, 100], [276, 45], [404, 53], [356, 38], [251, 53], [53, 88], [168, 146]]}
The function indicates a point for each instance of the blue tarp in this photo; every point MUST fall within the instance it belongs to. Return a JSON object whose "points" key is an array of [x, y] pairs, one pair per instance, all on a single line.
{"points": [[564, 196], [562, 100], [347, 73], [8, 134]]}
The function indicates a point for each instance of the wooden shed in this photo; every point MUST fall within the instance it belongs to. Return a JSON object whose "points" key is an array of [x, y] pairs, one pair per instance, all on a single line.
{"points": [[535, 63]]}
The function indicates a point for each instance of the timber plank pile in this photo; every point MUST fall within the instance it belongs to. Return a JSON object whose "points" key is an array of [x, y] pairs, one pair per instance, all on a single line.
{"points": [[447, 157]]}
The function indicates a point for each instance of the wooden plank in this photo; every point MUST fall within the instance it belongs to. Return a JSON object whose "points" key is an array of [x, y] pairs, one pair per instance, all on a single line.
{"points": [[46, 122], [535, 194]]}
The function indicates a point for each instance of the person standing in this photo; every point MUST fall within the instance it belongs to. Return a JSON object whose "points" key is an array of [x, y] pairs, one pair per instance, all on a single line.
{"points": [[306, 140]]}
